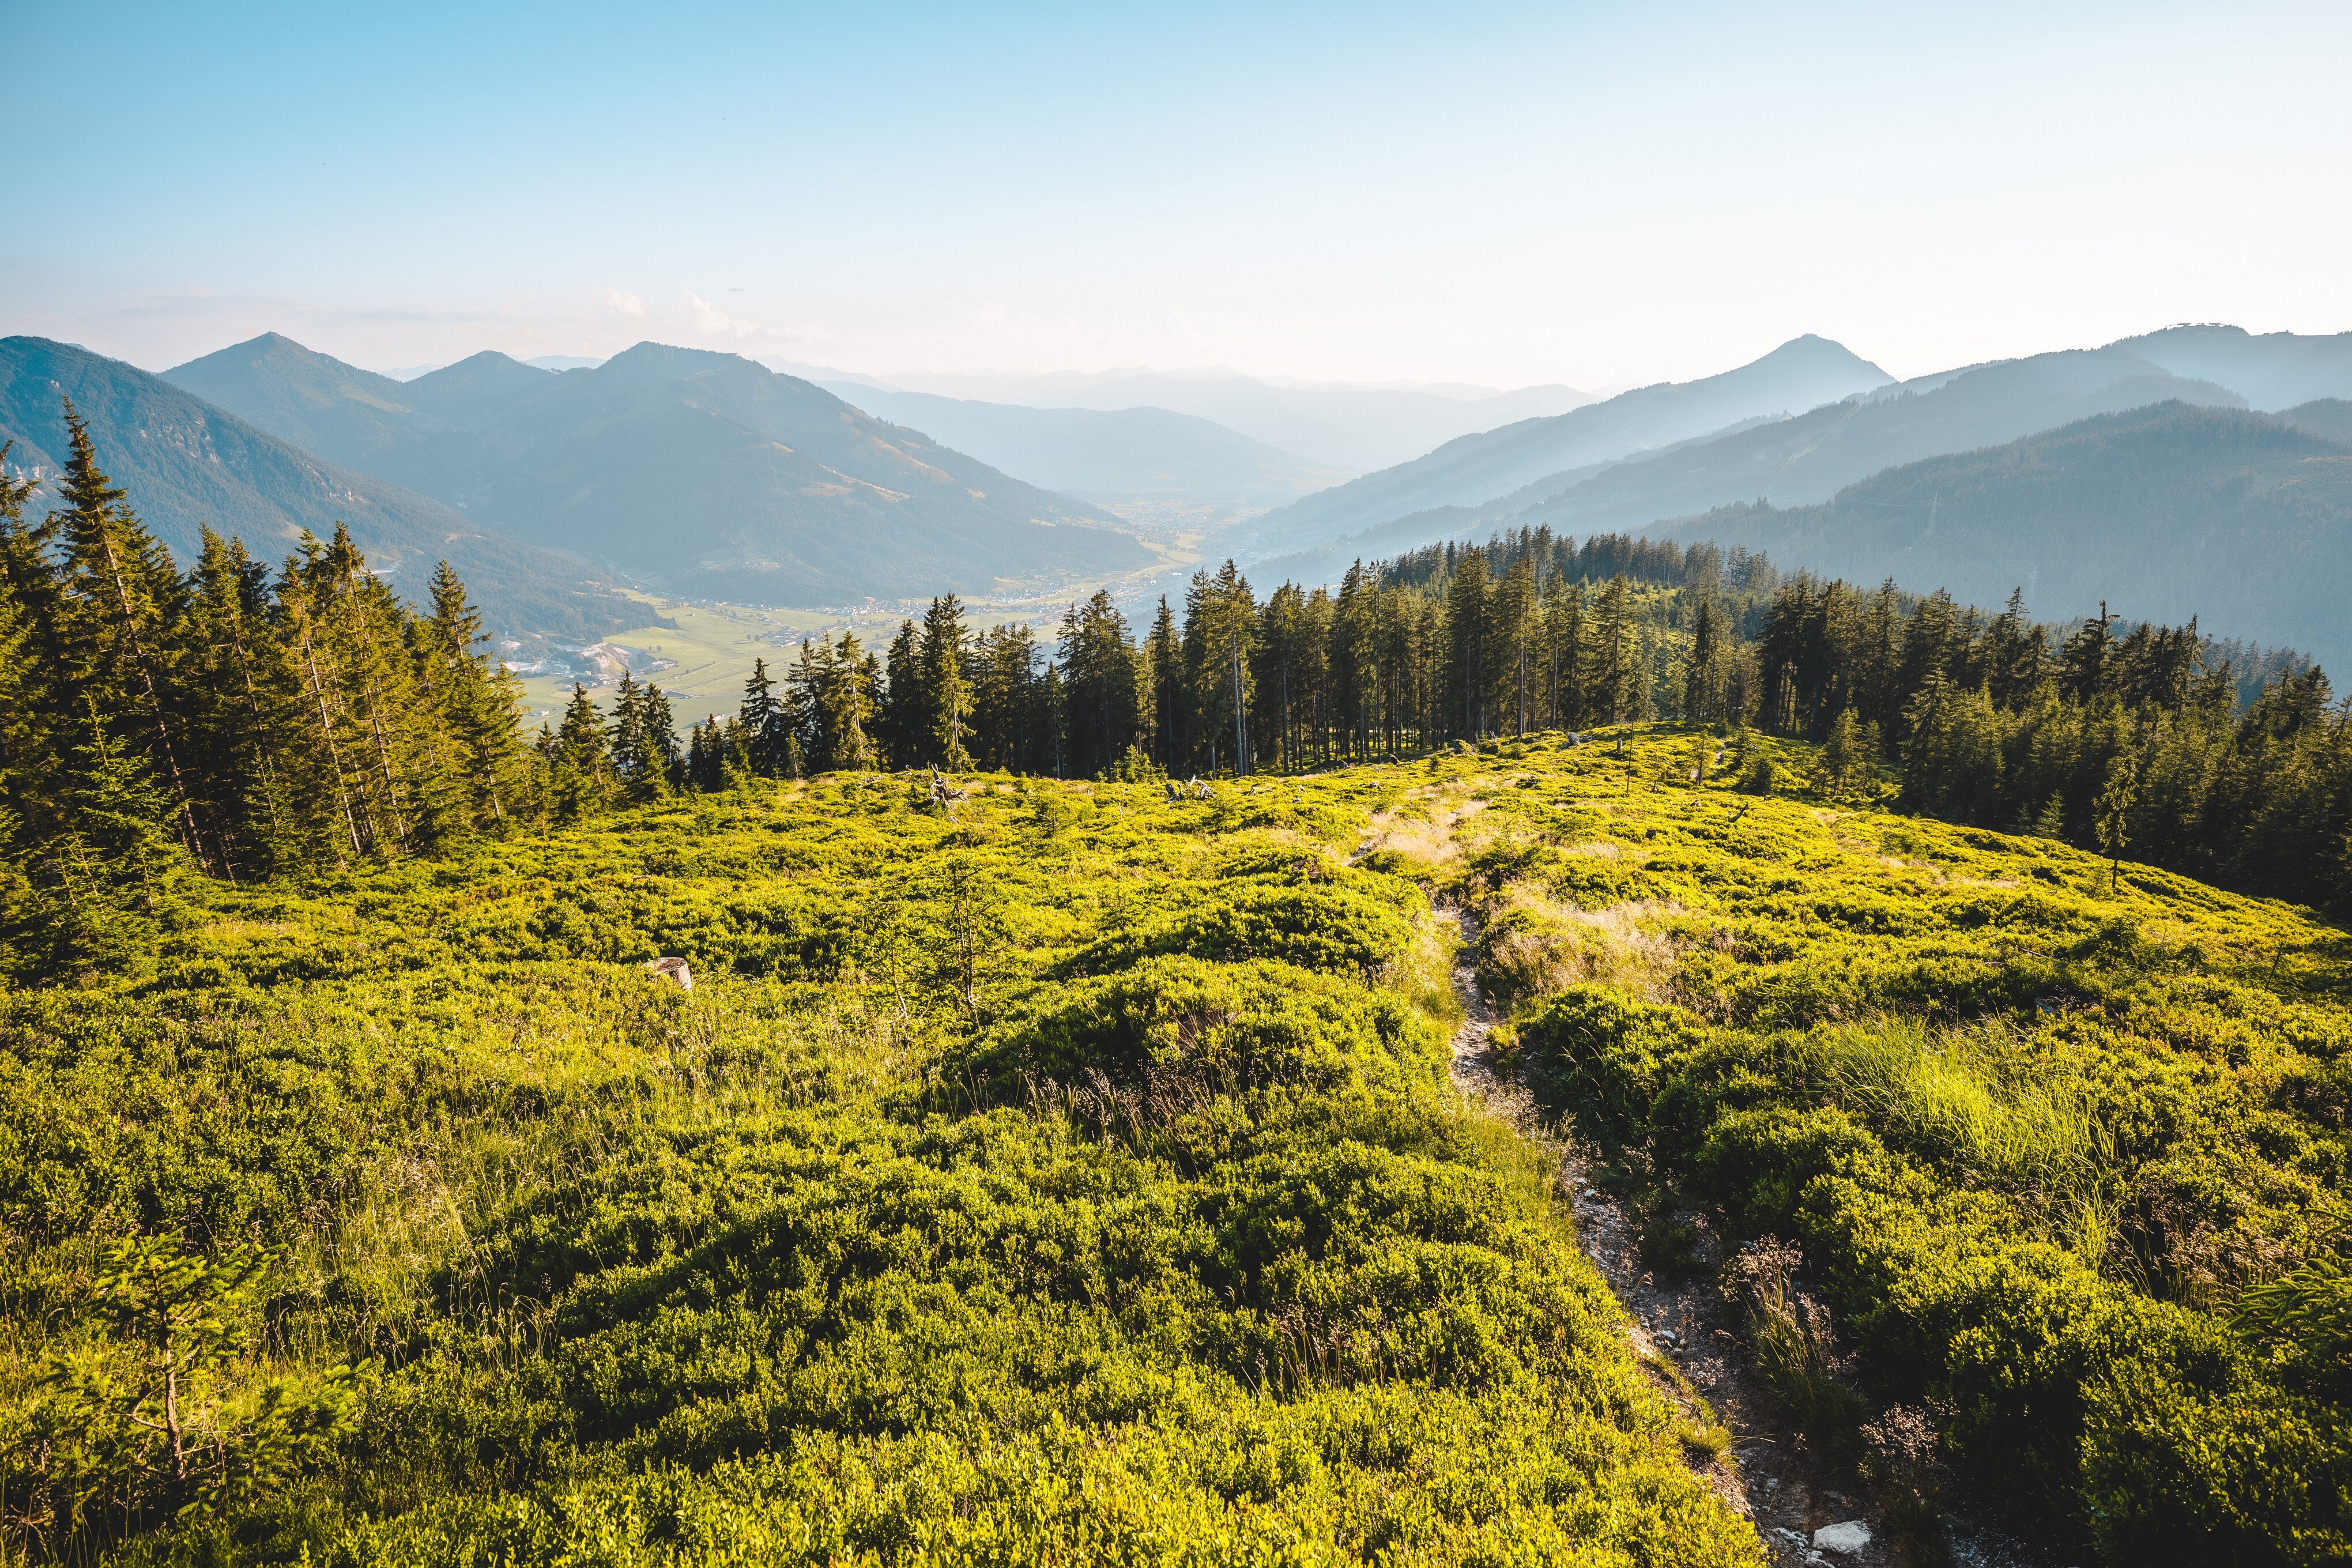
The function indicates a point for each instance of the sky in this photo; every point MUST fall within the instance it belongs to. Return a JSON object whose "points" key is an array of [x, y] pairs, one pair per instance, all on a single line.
{"points": [[1603, 195]]}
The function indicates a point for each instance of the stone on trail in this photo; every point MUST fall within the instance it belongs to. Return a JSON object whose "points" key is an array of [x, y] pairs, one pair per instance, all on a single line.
{"points": [[1848, 1539]]}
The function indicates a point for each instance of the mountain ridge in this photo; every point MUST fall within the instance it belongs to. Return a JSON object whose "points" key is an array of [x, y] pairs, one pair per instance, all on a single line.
{"points": [[187, 465], [1352, 429], [1804, 372], [1103, 456], [2176, 510], [702, 472]]}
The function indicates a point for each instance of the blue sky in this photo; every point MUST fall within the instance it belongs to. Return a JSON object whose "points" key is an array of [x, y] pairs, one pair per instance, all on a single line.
{"points": [[1603, 195]]}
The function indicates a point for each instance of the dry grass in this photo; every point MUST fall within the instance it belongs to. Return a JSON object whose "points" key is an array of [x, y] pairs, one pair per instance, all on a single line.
{"points": [[1538, 944]]}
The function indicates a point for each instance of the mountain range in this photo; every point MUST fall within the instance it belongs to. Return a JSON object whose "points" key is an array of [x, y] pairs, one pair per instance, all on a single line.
{"points": [[2242, 519], [186, 465], [1107, 456], [1811, 455], [1350, 429], [2168, 473], [703, 474], [1802, 374]]}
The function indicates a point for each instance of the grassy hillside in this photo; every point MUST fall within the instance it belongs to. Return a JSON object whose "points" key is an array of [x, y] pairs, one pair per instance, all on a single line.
{"points": [[1079, 1178]]}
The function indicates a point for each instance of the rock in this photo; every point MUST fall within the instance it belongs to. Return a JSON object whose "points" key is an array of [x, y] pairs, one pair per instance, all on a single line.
{"points": [[1848, 1539]]}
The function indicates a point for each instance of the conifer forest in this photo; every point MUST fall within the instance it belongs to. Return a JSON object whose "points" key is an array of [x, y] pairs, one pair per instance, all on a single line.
{"points": [[1155, 1085]]}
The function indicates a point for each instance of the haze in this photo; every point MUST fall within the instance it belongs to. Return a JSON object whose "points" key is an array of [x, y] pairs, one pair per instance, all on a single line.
{"points": [[1501, 196]]}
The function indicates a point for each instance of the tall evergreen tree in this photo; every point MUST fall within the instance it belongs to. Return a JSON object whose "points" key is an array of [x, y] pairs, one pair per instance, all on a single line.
{"points": [[479, 702], [1101, 684], [640, 765], [582, 781], [1171, 733], [1615, 656], [762, 721], [946, 687], [1469, 625], [124, 605]]}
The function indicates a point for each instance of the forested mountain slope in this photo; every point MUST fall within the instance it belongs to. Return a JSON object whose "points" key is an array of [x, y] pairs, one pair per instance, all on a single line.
{"points": [[1805, 458], [703, 473], [191, 466], [1799, 374], [1811, 458], [2270, 370], [2231, 516], [2327, 417]]}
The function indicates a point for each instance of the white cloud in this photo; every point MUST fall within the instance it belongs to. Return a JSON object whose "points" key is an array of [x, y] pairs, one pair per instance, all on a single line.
{"points": [[621, 302]]}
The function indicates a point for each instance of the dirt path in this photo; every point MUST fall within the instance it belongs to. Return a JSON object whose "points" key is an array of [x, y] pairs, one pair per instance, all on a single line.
{"points": [[1675, 1319]]}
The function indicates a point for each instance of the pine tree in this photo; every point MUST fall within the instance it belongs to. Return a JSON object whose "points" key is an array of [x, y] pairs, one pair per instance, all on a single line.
{"points": [[947, 691], [1703, 676], [640, 766], [1221, 623], [124, 605], [1511, 636], [582, 781], [1568, 657], [1099, 674], [906, 704], [32, 695], [2111, 819], [1614, 648], [1170, 735], [240, 709], [849, 712], [1468, 631], [324, 788], [762, 722], [478, 700], [661, 737]]}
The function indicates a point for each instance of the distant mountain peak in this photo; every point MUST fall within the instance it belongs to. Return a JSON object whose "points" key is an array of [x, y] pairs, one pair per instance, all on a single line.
{"points": [[689, 466]]}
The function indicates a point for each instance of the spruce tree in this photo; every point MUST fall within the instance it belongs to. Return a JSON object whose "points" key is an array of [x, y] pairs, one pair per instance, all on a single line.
{"points": [[582, 784], [33, 694], [478, 700], [661, 737], [760, 719], [1468, 631], [640, 766], [240, 708], [1613, 652], [124, 603], [906, 704], [1171, 736], [1512, 637], [946, 689]]}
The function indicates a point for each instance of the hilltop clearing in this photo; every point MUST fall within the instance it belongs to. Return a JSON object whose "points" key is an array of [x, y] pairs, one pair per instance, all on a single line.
{"points": [[1077, 1175]]}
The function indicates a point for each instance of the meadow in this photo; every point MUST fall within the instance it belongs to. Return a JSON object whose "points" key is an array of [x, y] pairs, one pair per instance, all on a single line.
{"points": [[1076, 1176]]}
